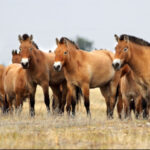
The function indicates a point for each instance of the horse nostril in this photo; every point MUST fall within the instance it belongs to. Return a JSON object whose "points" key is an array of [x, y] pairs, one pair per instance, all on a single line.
{"points": [[115, 65], [25, 65], [57, 67]]}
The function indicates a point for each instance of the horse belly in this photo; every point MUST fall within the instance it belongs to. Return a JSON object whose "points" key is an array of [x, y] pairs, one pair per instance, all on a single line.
{"points": [[101, 78]]}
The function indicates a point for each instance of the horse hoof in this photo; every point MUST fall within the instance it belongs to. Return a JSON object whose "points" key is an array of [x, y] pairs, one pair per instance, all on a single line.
{"points": [[32, 114]]}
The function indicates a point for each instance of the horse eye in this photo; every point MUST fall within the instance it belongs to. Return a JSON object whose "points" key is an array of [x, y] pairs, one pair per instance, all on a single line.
{"points": [[65, 53], [30, 49], [20, 49], [125, 49]]}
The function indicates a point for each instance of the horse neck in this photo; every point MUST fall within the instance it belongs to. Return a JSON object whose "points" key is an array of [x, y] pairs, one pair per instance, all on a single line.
{"points": [[71, 63], [138, 54], [33, 64]]}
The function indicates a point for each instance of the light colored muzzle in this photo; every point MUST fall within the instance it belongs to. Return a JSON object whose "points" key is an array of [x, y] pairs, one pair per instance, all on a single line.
{"points": [[25, 62], [116, 64], [57, 66]]}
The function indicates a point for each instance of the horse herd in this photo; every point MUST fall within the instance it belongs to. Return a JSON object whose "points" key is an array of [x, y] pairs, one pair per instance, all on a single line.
{"points": [[123, 77]]}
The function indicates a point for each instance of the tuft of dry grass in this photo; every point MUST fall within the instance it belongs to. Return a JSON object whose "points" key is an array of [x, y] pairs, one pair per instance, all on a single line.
{"points": [[63, 132]]}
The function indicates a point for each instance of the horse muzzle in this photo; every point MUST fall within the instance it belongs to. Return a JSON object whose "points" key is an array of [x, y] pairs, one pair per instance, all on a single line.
{"points": [[25, 63], [116, 64], [57, 66]]}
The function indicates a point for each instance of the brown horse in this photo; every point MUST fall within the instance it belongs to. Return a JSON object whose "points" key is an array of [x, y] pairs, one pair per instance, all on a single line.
{"points": [[129, 94], [135, 52], [16, 58], [86, 70], [17, 85], [39, 65]]}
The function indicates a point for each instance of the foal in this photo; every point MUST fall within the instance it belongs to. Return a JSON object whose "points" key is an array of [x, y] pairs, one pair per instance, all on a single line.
{"points": [[17, 86], [129, 94], [86, 70], [15, 57]]}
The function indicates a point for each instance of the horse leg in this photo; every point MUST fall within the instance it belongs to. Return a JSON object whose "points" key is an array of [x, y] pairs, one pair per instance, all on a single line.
{"points": [[64, 94], [120, 106], [70, 98], [114, 93], [54, 101], [45, 88], [32, 101], [57, 97], [18, 104], [9, 100], [126, 107], [85, 91], [5, 105], [138, 106], [105, 91], [144, 106]]}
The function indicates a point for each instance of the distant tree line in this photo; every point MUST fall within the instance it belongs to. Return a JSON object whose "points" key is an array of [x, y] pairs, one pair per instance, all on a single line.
{"points": [[84, 43]]}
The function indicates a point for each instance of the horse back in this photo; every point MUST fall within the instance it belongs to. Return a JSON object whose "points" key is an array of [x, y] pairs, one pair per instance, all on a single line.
{"points": [[16, 81], [97, 65]]}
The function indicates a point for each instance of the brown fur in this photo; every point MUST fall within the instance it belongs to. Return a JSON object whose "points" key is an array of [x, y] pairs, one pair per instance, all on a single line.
{"points": [[42, 72], [16, 58], [17, 85], [129, 94], [87, 70], [137, 57]]}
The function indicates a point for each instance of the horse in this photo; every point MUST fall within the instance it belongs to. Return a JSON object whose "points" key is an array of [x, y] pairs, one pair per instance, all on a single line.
{"points": [[135, 52], [39, 65], [16, 58], [18, 86], [87, 70], [129, 94]]}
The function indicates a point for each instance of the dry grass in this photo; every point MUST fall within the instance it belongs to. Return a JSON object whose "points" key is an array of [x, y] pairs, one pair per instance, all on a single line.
{"points": [[53, 131]]}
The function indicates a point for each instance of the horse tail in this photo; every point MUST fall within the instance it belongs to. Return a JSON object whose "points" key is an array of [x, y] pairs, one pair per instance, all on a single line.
{"points": [[78, 94]]}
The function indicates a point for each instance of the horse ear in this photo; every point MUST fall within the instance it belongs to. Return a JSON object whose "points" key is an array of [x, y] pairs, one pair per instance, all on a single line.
{"points": [[31, 37], [57, 41], [20, 38], [126, 38], [65, 42], [116, 37], [13, 52]]}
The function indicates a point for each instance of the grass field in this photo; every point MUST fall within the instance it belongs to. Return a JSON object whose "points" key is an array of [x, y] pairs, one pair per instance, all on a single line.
{"points": [[53, 131]]}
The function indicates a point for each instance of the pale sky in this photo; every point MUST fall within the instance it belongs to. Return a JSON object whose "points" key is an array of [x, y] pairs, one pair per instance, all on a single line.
{"points": [[96, 20]]}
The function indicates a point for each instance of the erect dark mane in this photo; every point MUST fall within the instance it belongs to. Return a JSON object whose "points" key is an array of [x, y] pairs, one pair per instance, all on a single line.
{"points": [[14, 52], [62, 40], [35, 45], [135, 40], [25, 37]]}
